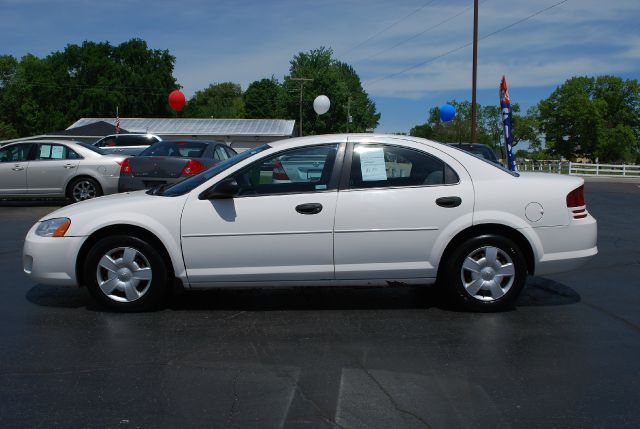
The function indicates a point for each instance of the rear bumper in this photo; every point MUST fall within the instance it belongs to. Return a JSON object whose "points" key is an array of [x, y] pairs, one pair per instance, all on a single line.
{"points": [[568, 247], [132, 183]]}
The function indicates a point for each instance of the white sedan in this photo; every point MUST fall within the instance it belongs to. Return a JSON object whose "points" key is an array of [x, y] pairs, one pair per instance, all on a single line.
{"points": [[384, 210]]}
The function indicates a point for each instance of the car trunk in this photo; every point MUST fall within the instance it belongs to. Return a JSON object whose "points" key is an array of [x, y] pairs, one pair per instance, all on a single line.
{"points": [[157, 167]]}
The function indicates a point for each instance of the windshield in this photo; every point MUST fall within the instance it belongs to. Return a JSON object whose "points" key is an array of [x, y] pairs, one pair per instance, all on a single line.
{"points": [[191, 183], [92, 148]]}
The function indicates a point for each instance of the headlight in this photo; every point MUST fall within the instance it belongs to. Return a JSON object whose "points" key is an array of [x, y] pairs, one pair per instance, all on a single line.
{"points": [[53, 227]]}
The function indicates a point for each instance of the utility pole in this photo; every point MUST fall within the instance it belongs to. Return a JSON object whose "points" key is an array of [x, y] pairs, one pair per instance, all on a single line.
{"points": [[474, 113], [302, 81], [348, 113]]}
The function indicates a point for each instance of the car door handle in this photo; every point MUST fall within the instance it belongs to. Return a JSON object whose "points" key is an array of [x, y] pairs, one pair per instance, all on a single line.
{"points": [[449, 202], [309, 208], [69, 166], [18, 168]]}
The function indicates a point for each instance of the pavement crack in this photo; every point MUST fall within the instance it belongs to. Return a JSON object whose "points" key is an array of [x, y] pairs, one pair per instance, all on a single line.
{"points": [[236, 400], [392, 400], [606, 312]]}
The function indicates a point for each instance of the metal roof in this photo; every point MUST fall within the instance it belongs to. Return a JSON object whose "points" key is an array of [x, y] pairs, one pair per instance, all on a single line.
{"points": [[219, 127]]}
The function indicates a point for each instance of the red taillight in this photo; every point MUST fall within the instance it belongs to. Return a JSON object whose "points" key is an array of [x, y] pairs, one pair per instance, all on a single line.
{"points": [[575, 198], [125, 167], [278, 171], [192, 167]]}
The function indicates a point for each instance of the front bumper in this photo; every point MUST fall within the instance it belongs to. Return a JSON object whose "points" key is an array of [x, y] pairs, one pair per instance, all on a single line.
{"points": [[51, 260]]}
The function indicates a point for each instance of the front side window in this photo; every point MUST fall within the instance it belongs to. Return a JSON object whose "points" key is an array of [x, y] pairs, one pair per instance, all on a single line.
{"points": [[375, 166], [306, 169], [107, 142], [15, 153]]}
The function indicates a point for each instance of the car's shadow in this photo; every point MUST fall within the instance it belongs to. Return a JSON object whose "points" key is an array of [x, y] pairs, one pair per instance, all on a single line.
{"points": [[539, 291]]}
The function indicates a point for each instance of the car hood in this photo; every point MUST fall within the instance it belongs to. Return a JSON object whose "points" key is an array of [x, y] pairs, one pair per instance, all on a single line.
{"points": [[114, 202]]}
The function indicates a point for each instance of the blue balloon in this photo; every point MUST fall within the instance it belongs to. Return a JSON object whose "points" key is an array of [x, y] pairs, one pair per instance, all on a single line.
{"points": [[447, 112]]}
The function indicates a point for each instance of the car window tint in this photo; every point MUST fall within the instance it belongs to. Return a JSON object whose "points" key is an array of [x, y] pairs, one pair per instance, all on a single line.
{"points": [[219, 154], [71, 154], [230, 151], [48, 151], [107, 142], [179, 149], [15, 153], [306, 169], [375, 166]]}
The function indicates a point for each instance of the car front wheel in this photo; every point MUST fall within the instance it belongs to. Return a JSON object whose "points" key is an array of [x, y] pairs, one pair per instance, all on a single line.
{"points": [[126, 274], [486, 273]]}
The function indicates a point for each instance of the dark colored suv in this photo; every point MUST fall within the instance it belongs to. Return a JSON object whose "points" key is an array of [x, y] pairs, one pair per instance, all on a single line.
{"points": [[477, 149], [126, 144]]}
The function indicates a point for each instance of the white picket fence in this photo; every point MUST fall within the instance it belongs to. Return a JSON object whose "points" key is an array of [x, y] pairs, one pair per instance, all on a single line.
{"points": [[581, 169]]}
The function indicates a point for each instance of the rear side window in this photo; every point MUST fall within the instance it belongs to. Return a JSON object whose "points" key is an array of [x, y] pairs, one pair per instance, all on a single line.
{"points": [[219, 154], [376, 166], [107, 142], [48, 151], [141, 140]]}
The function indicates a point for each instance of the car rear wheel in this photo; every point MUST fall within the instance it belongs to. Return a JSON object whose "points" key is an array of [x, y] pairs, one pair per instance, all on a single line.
{"points": [[486, 273], [126, 274], [83, 188]]}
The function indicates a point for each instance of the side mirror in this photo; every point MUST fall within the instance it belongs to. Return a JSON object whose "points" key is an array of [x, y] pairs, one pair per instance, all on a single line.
{"points": [[228, 188]]}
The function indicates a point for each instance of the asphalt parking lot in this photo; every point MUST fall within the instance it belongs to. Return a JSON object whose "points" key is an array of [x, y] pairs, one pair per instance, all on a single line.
{"points": [[567, 356]]}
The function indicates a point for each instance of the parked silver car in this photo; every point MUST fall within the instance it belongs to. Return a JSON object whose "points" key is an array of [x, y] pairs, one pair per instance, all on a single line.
{"points": [[126, 144], [57, 168]]}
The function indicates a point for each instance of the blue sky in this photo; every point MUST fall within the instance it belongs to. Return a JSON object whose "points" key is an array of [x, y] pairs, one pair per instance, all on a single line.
{"points": [[245, 40]]}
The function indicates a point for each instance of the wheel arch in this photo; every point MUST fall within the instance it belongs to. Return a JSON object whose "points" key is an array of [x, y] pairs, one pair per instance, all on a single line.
{"points": [[495, 229], [120, 229], [67, 186]]}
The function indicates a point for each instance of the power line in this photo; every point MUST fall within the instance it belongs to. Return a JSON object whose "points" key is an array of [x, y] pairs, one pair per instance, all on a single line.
{"points": [[486, 36], [388, 27], [415, 35]]}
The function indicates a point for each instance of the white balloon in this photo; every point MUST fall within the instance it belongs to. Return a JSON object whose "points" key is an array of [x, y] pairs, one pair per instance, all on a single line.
{"points": [[321, 104]]}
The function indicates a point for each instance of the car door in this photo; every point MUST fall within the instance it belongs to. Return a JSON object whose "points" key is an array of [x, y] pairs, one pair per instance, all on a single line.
{"points": [[14, 163], [275, 229], [51, 169], [396, 202]]}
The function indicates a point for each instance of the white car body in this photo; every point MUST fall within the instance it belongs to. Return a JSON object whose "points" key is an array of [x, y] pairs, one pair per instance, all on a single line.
{"points": [[52, 177], [373, 236]]}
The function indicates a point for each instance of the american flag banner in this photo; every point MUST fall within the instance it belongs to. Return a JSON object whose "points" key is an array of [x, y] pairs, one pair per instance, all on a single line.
{"points": [[117, 121], [505, 105]]}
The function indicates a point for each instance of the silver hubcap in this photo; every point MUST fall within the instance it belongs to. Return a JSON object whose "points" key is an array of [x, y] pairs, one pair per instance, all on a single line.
{"points": [[124, 274], [84, 190], [487, 273]]}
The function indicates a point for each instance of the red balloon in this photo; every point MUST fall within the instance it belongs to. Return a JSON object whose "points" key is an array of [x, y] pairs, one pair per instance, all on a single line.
{"points": [[177, 100]]}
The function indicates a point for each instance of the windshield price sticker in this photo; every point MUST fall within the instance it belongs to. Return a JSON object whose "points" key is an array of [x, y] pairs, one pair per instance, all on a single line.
{"points": [[372, 164]]}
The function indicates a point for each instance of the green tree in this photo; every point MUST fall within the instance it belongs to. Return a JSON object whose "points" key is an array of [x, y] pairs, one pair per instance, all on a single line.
{"points": [[593, 117], [336, 80], [93, 79], [489, 126], [262, 99], [222, 100]]}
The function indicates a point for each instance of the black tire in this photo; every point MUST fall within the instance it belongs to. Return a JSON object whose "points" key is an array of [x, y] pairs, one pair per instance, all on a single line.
{"points": [[83, 188], [461, 281], [148, 261]]}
